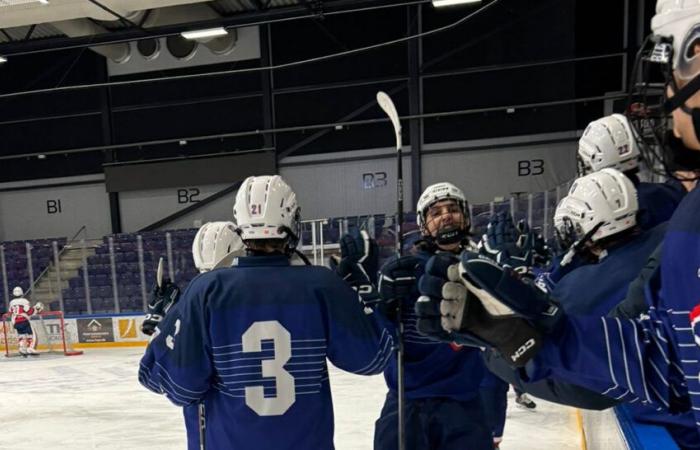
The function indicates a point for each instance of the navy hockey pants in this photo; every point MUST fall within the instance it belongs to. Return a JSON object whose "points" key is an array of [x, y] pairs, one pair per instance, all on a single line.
{"points": [[434, 424]]}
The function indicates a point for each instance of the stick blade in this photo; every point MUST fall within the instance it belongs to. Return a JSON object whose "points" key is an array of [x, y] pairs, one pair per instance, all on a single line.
{"points": [[387, 104], [159, 273]]}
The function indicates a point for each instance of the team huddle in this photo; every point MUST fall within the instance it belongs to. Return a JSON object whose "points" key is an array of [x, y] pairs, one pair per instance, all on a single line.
{"points": [[602, 315]]}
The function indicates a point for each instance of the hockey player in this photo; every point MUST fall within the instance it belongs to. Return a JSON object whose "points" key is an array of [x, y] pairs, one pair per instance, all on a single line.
{"points": [[654, 359], [616, 251], [215, 245], [609, 142], [252, 342], [21, 312], [442, 408]]}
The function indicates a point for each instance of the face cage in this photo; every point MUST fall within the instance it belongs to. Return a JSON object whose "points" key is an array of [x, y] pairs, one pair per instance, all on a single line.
{"points": [[645, 110], [582, 168], [567, 234], [465, 214], [651, 73]]}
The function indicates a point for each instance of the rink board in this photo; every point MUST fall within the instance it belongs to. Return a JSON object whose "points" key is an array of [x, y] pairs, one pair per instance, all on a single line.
{"points": [[106, 331]]}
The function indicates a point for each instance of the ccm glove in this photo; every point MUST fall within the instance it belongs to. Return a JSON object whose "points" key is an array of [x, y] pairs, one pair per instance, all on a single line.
{"points": [[469, 315]]}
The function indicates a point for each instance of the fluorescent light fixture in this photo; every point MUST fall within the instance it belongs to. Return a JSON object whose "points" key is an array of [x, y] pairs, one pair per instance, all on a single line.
{"points": [[22, 2], [441, 3], [3, 59], [207, 33]]}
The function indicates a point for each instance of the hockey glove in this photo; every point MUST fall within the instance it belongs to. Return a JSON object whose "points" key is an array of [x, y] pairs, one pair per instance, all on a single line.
{"points": [[398, 282], [161, 300], [471, 316], [38, 307], [357, 265], [507, 288], [507, 243]]}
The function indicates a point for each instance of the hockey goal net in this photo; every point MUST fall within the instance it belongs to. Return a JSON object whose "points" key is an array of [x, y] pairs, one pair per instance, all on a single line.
{"points": [[49, 332]]}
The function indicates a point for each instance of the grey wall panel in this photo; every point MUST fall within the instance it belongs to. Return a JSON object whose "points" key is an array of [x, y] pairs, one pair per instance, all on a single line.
{"points": [[485, 174], [142, 208], [57, 211], [348, 188], [197, 171]]}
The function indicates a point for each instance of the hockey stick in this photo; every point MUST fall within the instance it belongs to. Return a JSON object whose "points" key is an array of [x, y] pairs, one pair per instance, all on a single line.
{"points": [[387, 105], [159, 273]]}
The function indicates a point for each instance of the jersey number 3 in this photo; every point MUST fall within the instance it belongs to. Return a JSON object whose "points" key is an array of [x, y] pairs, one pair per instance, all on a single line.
{"points": [[271, 368]]}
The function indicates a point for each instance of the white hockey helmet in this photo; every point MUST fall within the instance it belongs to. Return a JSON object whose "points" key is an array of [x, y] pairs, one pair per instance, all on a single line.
{"points": [[435, 193], [606, 197], [609, 143], [216, 245], [266, 208], [17, 292], [680, 19]]}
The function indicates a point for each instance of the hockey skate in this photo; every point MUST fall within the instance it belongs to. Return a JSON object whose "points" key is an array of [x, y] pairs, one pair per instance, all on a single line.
{"points": [[32, 352], [525, 402]]}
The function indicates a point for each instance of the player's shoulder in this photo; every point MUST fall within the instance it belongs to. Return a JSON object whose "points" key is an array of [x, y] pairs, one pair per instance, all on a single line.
{"points": [[686, 218], [320, 273]]}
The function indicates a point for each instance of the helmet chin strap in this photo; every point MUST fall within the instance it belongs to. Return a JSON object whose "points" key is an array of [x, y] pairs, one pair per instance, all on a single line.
{"points": [[682, 95], [450, 235]]}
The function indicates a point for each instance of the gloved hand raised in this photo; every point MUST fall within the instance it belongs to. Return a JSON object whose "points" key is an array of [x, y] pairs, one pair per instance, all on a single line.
{"points": [[508, 243], [398, 281], [357, 265], [161, 299]]}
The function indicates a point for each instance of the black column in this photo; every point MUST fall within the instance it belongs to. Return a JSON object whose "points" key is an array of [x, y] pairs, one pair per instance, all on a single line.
{"points": [[108, 139], [415, 98], [268, 106]]}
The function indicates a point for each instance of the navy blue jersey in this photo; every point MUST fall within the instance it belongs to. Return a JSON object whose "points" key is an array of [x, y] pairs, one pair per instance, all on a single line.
{"points": [[657, 202], [432, 368], [595, 289], [251, 342], [654, 359]]}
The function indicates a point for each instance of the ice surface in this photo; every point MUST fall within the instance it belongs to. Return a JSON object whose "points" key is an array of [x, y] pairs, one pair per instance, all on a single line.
{"points": [[94, 401]]}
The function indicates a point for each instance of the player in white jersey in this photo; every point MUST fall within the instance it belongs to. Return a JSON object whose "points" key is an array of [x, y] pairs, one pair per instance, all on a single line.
{"points": [[22, 311]]}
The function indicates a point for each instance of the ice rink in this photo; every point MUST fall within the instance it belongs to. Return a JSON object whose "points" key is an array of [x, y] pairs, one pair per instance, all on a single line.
{"points": [[94, 401]]}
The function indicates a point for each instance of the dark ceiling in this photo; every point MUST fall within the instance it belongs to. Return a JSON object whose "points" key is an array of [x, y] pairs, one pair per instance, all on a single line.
{"points": [[553, 60]]}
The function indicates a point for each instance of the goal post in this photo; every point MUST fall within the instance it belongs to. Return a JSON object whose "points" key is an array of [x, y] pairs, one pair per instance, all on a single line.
{"points": [[49, 330]]}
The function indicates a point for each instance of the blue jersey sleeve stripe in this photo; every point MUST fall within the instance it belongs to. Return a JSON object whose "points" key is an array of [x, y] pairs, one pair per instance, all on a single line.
{"points": [[607, 344], [624, 356], [382, 356], [640, 360], [192, 391]]}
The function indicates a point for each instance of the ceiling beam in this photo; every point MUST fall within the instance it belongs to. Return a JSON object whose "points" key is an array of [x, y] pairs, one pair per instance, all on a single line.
{"points": [[235, 21]]}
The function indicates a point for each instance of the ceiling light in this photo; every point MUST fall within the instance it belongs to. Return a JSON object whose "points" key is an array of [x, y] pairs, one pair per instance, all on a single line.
{"points": [[3, 59], [207, 33], [22, 2], [441, 3]]}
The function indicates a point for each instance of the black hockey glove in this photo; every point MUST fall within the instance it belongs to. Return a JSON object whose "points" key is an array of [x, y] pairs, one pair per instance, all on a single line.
{"points": [[398, 282], [469, 315], [357, 265], [507, 288], [507, 243], [161, 300]]}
